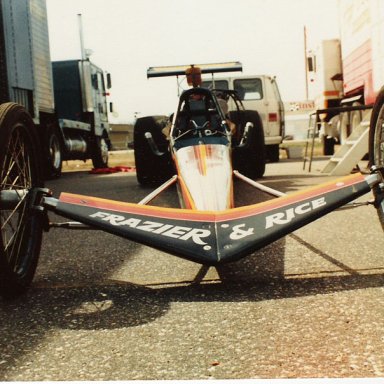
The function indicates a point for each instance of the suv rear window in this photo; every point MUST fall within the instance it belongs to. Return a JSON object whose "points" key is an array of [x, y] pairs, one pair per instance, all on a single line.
{"points": [[249, 89]]}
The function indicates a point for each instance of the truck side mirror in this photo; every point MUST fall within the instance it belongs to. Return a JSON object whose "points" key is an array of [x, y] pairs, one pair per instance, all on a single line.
{"points": [[109, 81]]}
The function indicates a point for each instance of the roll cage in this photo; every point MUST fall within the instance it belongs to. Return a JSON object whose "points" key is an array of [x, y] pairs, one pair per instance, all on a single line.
{"points": [[229, 94], [199, 118]]}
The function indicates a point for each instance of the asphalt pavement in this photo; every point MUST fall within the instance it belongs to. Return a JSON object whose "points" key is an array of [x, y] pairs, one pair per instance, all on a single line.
{"points": [[104, 308]]}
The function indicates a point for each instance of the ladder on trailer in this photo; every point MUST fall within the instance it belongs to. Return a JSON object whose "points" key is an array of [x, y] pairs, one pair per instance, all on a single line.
{"points": [[312, 133], [353, 149], [350, 153]]}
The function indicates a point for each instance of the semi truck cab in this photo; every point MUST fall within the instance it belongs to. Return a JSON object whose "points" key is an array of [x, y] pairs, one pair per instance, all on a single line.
{"points": [[67, 100]]}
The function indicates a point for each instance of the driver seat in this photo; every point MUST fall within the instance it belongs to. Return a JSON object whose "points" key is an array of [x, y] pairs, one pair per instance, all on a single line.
{"points": [[199, 112]]}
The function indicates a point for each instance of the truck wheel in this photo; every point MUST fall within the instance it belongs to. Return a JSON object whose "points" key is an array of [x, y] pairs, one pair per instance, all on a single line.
{"points": [[348, 122], [329, 146], [344, 124], [100, 153], [376, 146], [250, 158], [21, 227], [356, 117], [273, 153], [55, 154], [151, 169]]}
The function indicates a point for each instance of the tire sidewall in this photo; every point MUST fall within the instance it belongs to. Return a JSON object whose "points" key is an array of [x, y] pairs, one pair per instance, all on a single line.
{"points": [[250, 160], [379, 104], [376, 112], [151, 170]]}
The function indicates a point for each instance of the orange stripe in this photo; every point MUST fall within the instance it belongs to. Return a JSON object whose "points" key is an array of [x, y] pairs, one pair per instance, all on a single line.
{"points": [[229, 214], [184, 190], [186, 194], [203, 159], [231, 198]]}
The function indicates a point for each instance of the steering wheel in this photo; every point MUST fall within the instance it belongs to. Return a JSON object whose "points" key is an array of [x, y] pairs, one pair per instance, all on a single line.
{"points": [[199, 127]]}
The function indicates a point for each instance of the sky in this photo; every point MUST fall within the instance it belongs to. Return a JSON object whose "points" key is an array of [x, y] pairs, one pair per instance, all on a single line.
{"points": [[128, 36]]}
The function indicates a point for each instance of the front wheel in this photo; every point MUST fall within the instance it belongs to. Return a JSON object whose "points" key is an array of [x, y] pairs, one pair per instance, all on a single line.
{"points": [[100, 153], [21, 227], [376, 147]]}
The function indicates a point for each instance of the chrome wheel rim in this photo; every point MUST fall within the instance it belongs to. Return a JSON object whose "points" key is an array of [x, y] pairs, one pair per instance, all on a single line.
{"points": [[54, 151], [104, 150]]}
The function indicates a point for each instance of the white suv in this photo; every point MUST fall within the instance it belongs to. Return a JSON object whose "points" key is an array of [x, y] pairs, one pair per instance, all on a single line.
{"points": [[259, 93]]}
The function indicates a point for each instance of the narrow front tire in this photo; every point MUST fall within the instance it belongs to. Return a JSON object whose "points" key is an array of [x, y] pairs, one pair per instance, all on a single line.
{"points": [[21, 226], [376, 147]]}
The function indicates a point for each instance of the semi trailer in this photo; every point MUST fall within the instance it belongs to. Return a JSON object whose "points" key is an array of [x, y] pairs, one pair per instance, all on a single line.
{"points": [[346, 75]]}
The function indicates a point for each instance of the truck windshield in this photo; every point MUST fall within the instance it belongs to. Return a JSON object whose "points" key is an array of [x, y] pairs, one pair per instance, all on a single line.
{"points": [[249, 89]]}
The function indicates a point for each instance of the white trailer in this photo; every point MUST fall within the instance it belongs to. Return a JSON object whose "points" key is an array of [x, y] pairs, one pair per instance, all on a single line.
{"points": [[362, 48], [349, 72]]}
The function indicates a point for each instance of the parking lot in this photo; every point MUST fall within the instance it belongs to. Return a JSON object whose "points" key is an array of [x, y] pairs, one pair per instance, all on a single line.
{"points": [[104, 308]]}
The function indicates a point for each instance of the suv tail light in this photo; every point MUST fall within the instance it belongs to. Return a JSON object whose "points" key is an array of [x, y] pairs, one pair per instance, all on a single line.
{"points": [[272, 117]]}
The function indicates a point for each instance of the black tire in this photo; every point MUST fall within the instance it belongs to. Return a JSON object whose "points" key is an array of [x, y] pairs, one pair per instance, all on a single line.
{"points": [[376, 147], [348, 122], [250, 158], [54, 153], [344, 127], [329, 146], [355, 117], [100, 153], [273, 153], [21, 227], [151, 169]]}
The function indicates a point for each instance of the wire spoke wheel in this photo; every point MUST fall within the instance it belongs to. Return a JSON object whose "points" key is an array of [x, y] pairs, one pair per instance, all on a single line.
{"points": [[376, 147], [378, 139], [21, 227]]}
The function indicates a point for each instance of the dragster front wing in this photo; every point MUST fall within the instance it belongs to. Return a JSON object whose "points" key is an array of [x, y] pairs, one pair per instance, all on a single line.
{"points": [[210, 237]]}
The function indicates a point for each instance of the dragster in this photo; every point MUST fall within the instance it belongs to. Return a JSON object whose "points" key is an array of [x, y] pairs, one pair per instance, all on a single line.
{"points": [[202, 157]]}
